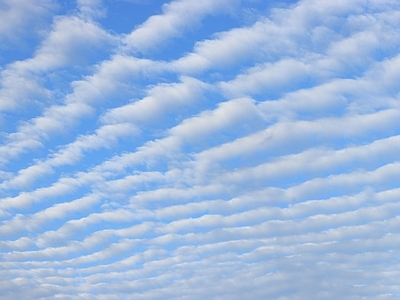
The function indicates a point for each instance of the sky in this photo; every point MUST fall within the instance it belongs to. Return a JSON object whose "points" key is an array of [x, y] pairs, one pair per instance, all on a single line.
{"points": [[214, 149]]}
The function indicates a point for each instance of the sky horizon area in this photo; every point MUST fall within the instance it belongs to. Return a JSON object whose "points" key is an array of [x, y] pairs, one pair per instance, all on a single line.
{"points": [[213, 149]]}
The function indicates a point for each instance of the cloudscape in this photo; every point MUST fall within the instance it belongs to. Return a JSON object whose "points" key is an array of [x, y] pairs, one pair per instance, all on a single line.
{"points": [[213, 149]]}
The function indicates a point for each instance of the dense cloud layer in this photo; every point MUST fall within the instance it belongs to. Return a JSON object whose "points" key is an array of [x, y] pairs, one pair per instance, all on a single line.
{"points": [[219, 150]]}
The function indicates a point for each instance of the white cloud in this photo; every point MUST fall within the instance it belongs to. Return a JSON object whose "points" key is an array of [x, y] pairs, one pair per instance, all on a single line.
{"points": [[262, 164], [20, 16], [161, 99], [267, 78], [71, 40], [91, 8], [227, 115], [177, 17]]}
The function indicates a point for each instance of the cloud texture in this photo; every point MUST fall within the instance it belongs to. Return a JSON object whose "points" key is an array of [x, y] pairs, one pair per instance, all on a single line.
{"points": [[218, 150]]}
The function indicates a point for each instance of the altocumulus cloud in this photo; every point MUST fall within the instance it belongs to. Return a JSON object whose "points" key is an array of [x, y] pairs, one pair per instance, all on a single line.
{"points": [[230, 149]]}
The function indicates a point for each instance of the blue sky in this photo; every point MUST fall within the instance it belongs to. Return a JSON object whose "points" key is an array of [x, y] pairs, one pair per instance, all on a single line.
{"points": [[214, 149]]}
